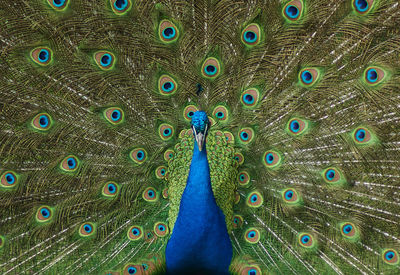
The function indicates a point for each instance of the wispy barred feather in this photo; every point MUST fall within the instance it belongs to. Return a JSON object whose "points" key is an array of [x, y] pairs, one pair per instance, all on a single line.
{"points": [[88, 88]]}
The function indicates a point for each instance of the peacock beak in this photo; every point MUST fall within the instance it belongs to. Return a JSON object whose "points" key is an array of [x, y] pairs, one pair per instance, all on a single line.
{"points": [[200, 137]]}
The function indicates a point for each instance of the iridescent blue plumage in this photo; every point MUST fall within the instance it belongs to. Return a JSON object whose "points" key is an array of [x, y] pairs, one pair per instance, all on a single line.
{"points": [[200, 240]]}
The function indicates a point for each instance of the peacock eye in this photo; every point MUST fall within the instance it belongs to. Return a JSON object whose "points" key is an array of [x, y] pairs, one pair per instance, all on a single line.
{"points": [[8, 179], [161, 172], [167, 85], [250, 97], [211, 68], [374, 75], [165, 131], [160, 229], [250, 270], [110, 189], [272, 159], [42, 56], [221, 113], [308, 77], [349, 231], [168, 154], [121, 7], [293, 10], [135, 233], [86, 229], [390, 256], [246, 135], [150, 194], [239, 158], [334, 176], [362, 7], [254, 199], [251, 35], [306, 240], [43, 214], [290, 196], [244, 178], [252, 235], [114, 115], [168, 32], [237, 221], [138, 155], [70, 164], [105, 60], [297, 126], [132, 269]]}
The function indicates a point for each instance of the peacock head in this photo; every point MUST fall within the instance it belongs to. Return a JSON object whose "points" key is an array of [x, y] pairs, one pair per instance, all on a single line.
{"points": [[200, 125]]}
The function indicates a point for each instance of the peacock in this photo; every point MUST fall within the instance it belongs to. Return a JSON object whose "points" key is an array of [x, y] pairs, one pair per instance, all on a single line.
{"points": [[200, 137]]}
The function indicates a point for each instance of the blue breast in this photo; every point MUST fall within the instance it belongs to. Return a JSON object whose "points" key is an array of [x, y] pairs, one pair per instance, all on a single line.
{"points": [[199, 241]]}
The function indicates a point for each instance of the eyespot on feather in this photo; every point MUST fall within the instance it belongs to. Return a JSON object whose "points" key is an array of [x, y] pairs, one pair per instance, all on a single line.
{"points": [[229, 137], [349, 230], [221, 113], [334, 176], [254, 199], [131, 269], [306, 240], [169, 154], [168, 32], [165, 193], [42, 56], [293, 10], [211, 68], [374, 75], [251, 270], [58, 5], [70, 164], [246, 135], [110, 189], [114, 115], [150, 194], [161, 229], [135, 233], [243, 178], [44, 214], [308, 77], [239, 158], [390, 256], [9, 179], [167, 85], [237, 221], [42, 122], [138, 155], [362, 136], [120, 7], [297, 126], [362, 7], [249, 98], [166, 131], [237, 197], [252, 235], [87, 229], [272, 159], [105, 60], [290, 196], [160, 172], [189, 111], [251, 35]]}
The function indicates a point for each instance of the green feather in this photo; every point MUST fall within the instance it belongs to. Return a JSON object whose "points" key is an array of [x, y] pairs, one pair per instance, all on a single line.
{"points": [[129, 173]]}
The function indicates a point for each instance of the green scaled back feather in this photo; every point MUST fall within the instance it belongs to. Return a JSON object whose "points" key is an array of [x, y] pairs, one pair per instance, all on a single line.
{"points": [[304, 147]]}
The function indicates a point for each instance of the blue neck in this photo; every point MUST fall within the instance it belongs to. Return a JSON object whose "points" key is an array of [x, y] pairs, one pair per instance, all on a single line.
{"points": [[200, 239]]}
